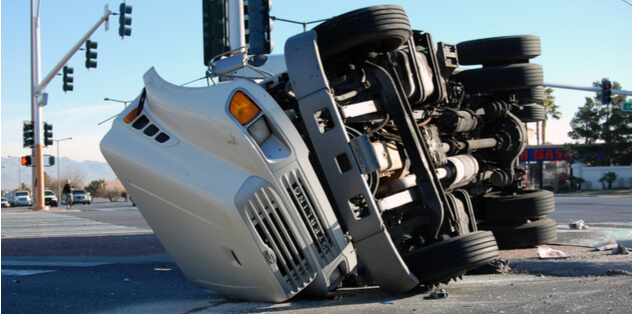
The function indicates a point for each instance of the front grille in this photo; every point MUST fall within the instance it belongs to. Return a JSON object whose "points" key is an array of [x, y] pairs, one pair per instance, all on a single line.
{"points": [[302, 200], [271, 225]]}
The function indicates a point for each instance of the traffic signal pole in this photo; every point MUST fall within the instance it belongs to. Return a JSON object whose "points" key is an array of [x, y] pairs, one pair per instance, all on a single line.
{"points": [[39, 98], [588, 89], [39, 89], [36, 110]]}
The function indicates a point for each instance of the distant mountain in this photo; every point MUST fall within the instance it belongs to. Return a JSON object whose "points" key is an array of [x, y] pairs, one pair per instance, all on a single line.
{"points": [[89, 170]]}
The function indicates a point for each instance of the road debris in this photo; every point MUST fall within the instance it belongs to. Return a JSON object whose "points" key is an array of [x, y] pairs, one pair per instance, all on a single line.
{"points": [[620, 249], [607, 244], [497, 266], [545, 251], [578, 225], [439, 294], [618, 272]]}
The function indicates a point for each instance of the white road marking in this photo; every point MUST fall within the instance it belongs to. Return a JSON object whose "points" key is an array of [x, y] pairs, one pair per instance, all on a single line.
{"points": [[24, 272], [52, 264]]}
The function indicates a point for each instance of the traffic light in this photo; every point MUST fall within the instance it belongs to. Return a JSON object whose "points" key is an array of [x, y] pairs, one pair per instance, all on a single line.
{"points": [[68, 79], [27, 161], [48, 134], [91, 54], [259, 26], [214, 28], [606, 92], [125, 20], [28, 134]]}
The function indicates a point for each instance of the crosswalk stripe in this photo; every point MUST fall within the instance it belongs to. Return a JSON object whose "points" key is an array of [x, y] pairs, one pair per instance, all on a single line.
{"points": [[43, 224]]}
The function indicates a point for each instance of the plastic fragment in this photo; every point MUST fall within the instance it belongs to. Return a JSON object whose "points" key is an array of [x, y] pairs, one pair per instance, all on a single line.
{"points": [[545, 251]]}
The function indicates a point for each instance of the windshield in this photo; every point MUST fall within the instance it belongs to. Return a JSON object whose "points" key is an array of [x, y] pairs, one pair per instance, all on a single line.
{"points": [[49, 193], [79, 192], [21, 193]]}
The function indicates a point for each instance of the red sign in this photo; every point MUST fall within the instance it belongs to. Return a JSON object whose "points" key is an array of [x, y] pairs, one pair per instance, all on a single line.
{"points": [[544, 154]]}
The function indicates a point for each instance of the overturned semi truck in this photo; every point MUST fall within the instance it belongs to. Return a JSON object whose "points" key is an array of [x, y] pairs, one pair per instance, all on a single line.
{"points": [[373, 157]]}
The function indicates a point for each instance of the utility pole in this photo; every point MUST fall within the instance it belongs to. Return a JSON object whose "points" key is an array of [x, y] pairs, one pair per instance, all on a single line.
{"points": [[39, 98]]}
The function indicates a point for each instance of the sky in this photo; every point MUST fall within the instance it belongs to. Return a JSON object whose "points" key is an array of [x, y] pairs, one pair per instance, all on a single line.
{"points": [[583, 41]]}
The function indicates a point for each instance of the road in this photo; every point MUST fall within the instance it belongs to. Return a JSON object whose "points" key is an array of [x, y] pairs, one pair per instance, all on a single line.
{"points": [[595, 210], [103, 258]]}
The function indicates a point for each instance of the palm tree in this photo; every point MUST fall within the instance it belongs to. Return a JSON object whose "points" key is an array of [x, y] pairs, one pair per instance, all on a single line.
{"points": [[550, 109]]}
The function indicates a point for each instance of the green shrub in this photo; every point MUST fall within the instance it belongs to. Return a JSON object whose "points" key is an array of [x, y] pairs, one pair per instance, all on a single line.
{"points": [[563, 188]]}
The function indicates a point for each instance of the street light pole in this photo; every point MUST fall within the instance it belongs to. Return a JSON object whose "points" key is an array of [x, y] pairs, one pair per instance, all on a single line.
{"points": [[116, 115], [121, 101], [58, 162]]}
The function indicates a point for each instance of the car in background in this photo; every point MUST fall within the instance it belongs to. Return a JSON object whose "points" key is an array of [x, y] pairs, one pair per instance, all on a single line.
{"points": [[50, 198], [5, 203], [81, 196], [20, 198]]}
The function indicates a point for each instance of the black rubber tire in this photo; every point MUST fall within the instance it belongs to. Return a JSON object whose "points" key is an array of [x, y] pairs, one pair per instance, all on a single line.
{"points": [[524, 205], [501, 78], [529, 96], [531, 113], [522, 235], [384, 27], [440, 262], [499, 50]]}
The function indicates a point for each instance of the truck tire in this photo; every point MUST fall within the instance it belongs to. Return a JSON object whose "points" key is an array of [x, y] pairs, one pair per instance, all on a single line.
{"points": [[442, 261], [531, 113], [522, 235], [384, 28], [499, 50], [501, 78], [532, 95], [524, 205]]}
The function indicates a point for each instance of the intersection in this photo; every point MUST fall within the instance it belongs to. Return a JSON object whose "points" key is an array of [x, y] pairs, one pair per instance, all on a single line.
{"points": [[104, 258]]}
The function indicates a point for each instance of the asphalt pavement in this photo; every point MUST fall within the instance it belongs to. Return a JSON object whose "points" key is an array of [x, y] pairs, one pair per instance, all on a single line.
{"points": [[104, 258]]}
